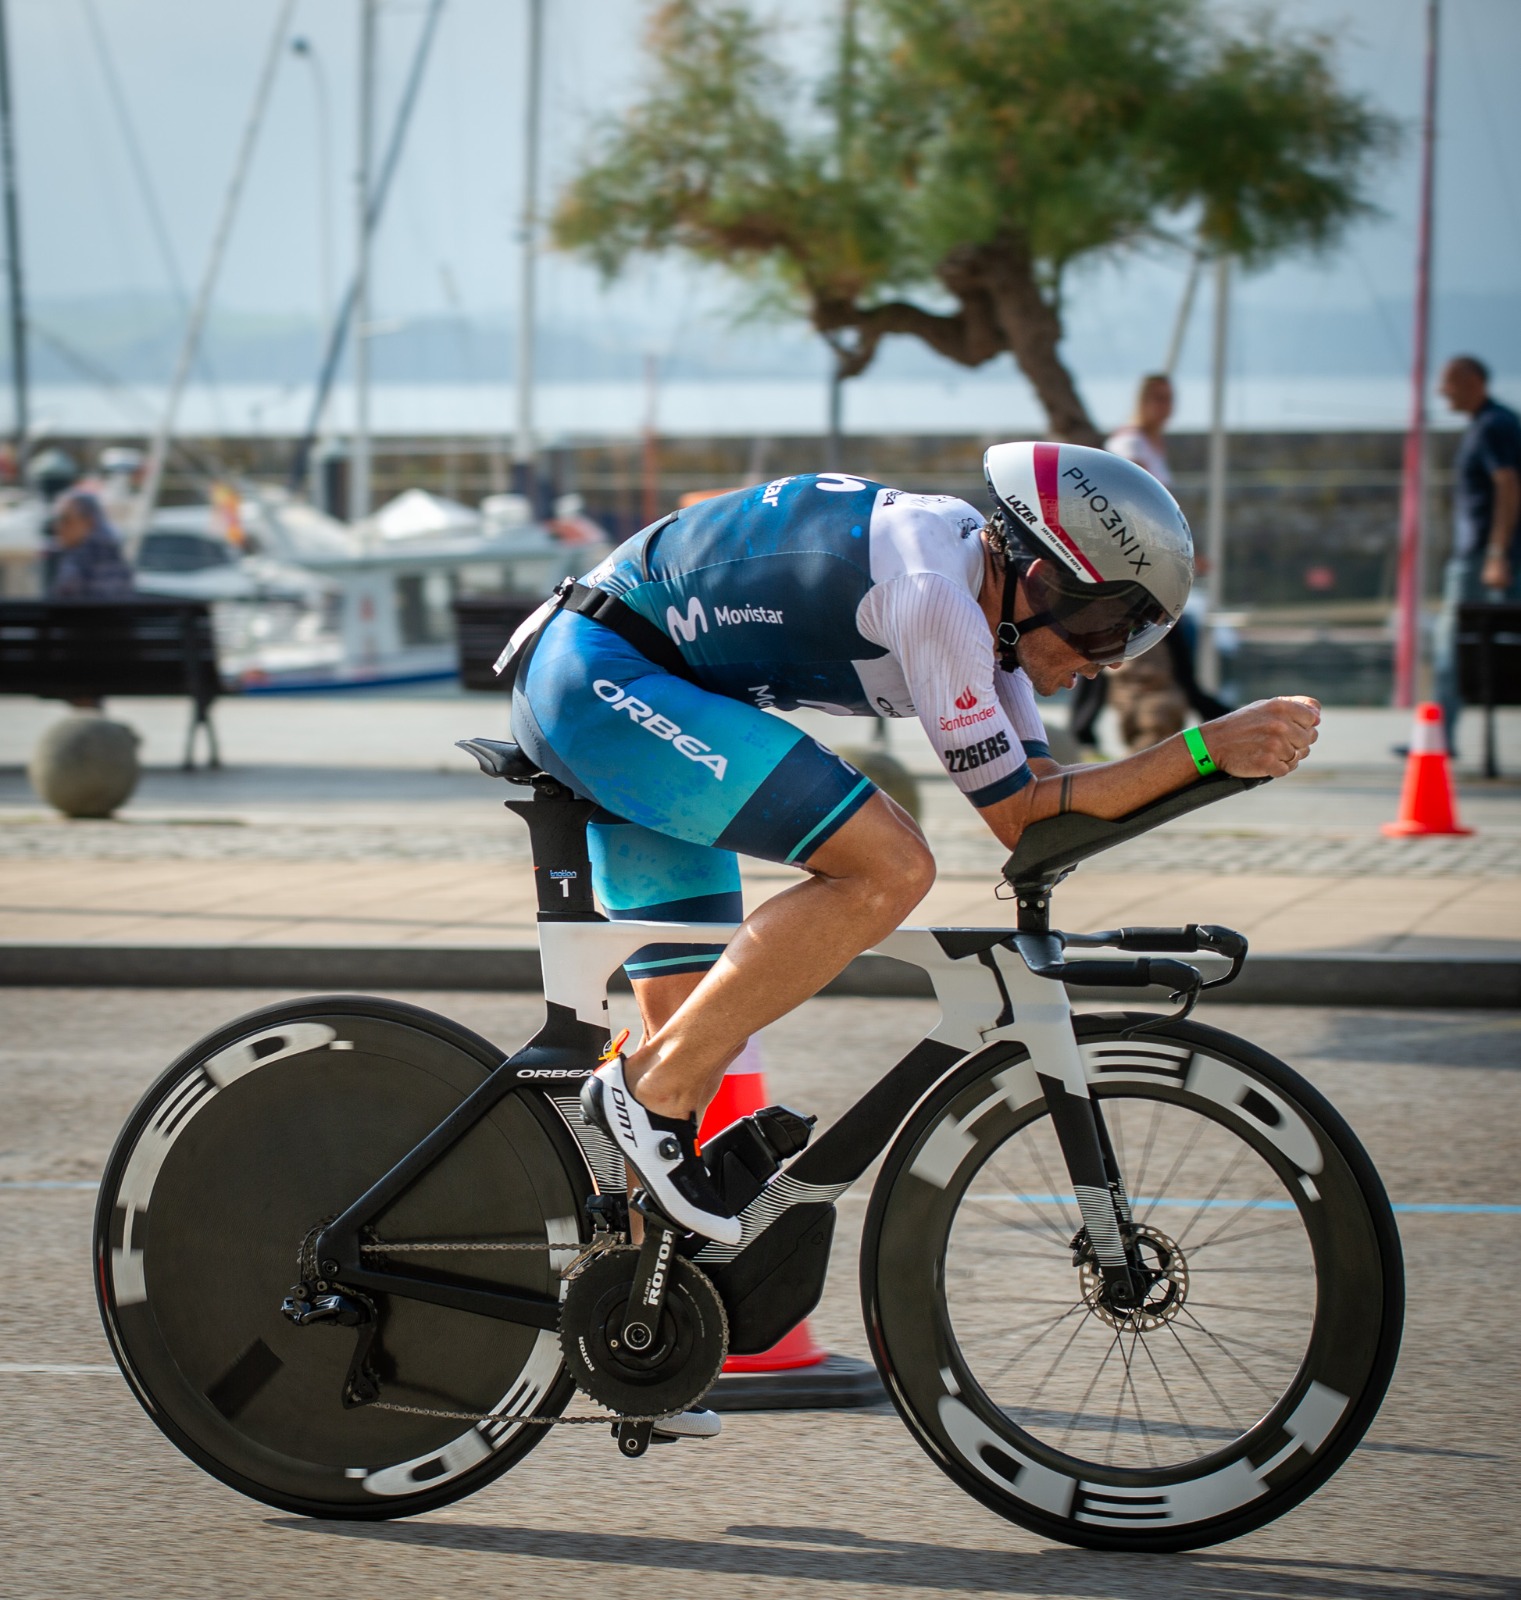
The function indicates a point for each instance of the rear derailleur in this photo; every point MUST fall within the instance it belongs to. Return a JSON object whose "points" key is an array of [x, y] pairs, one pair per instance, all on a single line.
{"points": [[310, 1303]]}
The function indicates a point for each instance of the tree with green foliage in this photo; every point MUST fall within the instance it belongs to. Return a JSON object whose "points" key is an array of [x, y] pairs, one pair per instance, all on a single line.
{"points": [[959, 157]]}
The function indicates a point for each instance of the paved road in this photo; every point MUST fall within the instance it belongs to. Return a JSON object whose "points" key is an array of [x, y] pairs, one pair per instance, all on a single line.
{"points": [[98, 1504]]}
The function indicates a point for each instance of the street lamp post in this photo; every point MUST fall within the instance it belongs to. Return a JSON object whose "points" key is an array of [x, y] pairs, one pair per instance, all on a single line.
{"points": [[1214, 520], [1407, 652]]}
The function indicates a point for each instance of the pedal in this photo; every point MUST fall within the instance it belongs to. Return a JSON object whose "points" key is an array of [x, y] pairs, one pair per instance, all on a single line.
{"points": [[633, 1438]]}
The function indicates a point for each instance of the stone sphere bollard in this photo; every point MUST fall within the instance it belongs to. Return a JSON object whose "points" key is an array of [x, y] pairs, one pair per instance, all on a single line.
{"points": [[888, 773], [86, 765]]}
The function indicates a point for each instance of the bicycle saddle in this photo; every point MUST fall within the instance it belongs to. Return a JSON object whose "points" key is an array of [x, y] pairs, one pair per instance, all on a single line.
{"points": [[1047, 851], [499, 758]]}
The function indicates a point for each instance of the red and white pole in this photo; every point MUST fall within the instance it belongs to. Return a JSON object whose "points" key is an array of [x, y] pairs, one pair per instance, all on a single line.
{"points": [[1413, 487]]}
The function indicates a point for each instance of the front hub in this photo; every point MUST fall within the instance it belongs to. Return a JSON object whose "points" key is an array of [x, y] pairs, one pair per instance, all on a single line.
{"points": [[1158, 1264]]}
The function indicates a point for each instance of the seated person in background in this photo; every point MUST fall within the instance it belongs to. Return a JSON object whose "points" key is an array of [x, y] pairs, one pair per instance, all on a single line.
{"points": [[90, 563]]}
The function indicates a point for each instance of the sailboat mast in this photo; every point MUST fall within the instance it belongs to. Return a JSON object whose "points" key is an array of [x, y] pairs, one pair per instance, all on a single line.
{"points": [[153, 473], [340, 330], [523, 448], [359, 460], [1407, 648], [20, 419]]}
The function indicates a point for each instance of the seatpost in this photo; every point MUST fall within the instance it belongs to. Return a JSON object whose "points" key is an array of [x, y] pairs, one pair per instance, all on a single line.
{"points": [[557, 823]]}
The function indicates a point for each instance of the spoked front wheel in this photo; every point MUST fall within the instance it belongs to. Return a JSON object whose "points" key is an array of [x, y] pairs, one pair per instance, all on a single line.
{"points": [[1263, 1345], [249, 1143]]}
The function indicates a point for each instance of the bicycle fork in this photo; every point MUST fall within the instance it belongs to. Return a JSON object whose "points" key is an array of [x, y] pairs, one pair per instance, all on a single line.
{"points": [[1100, 1190], [1089, 1156]]}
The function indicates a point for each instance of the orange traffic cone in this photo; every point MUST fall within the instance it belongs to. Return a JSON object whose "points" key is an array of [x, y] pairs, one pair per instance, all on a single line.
{"points": [[1426, 801], [796, 1373]]}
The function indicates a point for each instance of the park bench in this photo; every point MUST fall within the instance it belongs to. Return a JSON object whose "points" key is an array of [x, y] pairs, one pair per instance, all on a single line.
{"points": [[100, 649], [1489, 664], [483, 625]]}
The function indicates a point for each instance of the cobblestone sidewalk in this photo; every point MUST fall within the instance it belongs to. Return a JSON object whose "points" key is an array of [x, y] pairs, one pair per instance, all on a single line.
{"points": [[963, 849]]}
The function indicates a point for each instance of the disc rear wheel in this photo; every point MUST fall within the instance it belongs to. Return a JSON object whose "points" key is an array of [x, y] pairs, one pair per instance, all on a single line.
{"points": [[250, 1142]]}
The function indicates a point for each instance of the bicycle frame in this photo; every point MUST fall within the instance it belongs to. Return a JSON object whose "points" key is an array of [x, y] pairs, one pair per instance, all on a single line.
{"points": [[988, 991]]}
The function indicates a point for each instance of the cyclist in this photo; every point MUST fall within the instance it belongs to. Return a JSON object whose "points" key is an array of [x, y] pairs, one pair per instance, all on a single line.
{"points": [[647, 687]]}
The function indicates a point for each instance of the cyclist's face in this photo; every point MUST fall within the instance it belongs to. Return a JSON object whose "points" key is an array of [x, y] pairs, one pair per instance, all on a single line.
{"points": [[1050, 663]]}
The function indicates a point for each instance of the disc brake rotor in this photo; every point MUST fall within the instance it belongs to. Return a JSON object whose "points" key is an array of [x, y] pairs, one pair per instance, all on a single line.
{"points": [[680, 1366], [1167, 1291]]}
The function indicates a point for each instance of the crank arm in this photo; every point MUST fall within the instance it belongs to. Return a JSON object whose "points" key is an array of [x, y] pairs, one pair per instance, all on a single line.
{"points": [[633, 1438], [646, 1295]]}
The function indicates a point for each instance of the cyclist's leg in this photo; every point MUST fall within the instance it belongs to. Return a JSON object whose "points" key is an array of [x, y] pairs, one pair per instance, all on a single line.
{"points": [[644, 876], [862, 882], [681, 761]]}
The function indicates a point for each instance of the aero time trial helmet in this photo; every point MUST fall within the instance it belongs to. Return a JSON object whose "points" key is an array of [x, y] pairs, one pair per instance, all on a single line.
{"points": [[1117, 559]]}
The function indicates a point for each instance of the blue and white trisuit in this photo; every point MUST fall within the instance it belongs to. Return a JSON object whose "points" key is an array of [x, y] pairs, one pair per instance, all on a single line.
{"points": [[822, 590]]}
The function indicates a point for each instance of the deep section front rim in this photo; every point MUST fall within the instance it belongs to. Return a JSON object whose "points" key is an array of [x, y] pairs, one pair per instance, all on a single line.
{"points": [[1269, 1335]]}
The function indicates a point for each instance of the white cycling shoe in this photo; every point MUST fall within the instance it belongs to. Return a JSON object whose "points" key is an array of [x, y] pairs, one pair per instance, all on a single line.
{"points": [[694, 1424], [662, 1151]]}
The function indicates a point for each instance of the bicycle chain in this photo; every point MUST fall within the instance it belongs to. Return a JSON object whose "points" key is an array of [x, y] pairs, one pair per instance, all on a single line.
{"points": [[382, 1247]]}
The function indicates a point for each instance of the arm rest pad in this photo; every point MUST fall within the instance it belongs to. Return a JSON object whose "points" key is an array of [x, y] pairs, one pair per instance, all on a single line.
{"points": [[1050, 849]]}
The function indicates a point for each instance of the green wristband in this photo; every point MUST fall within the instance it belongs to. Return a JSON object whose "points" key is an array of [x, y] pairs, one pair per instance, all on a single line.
{"points": [[1196, 748]]}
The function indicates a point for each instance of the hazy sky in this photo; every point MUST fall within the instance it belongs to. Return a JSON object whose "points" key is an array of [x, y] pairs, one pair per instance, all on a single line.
{"points": [[188, 68]]}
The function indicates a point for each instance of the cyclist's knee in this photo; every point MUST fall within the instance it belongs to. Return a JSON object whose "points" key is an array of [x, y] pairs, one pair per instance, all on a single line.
{"points": [[882, 855], [912, 874]]}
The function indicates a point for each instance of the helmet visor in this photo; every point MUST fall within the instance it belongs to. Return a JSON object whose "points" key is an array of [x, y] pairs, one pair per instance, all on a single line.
{"points": [[1106, 623]]}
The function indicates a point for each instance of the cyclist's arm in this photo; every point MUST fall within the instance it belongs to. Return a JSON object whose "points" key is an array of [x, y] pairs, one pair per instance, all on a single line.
{"points": [[939, 637], [1265, 740]]}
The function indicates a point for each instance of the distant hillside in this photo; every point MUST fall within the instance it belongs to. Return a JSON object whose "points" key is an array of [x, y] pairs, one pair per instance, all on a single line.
{"points": [[136, 339]]}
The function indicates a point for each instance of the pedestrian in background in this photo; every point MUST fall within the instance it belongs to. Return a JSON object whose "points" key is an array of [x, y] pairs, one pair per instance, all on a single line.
{"points": [[1485, 563], [90, 563], [87, 562], [1152, 694], [1140, 440]]}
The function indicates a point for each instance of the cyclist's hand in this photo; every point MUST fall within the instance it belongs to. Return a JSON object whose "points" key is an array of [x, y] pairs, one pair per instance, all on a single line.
{"points": [[1267, 739]]}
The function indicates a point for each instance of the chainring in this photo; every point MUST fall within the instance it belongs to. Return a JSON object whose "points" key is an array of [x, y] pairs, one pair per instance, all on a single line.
{"points": [[681, 1366]]}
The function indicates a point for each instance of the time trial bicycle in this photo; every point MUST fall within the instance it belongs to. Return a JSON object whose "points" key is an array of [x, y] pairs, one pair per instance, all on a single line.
{"points": [[1130, 1281]]}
